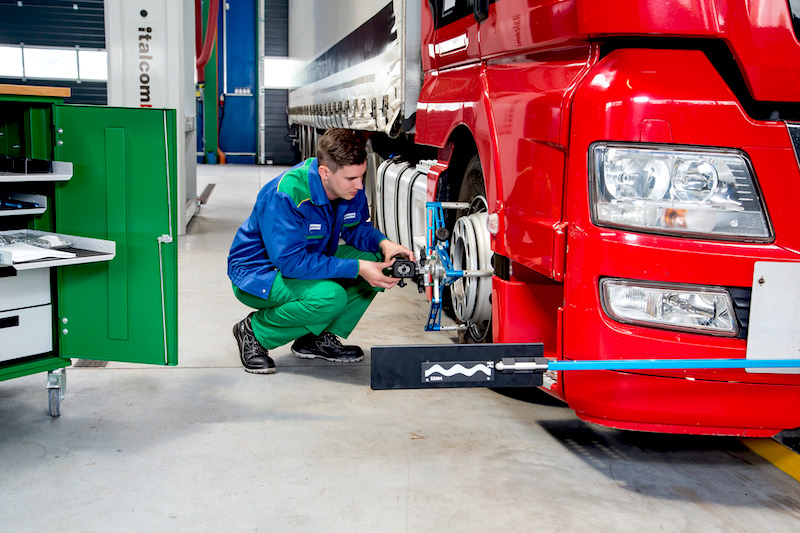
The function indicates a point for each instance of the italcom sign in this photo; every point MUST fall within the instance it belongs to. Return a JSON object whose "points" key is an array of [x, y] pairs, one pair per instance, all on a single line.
{"points": [[145, 57], [142, 67]]}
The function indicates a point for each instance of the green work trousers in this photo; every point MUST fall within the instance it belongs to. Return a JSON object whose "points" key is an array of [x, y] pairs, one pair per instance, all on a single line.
{"points": [[296, 307]]}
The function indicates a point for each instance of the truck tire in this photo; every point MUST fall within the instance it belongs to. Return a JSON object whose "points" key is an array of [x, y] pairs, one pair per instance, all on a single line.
{"points": [[472, 185], [473, 190]]}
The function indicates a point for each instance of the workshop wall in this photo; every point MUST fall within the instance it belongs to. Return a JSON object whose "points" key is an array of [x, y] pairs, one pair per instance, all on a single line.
{"points": [[57, 23], [278, 147], [237, 53]]}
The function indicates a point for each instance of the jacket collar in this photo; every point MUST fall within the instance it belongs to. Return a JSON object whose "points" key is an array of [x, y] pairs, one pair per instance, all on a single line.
{"points": [[318, 194]]}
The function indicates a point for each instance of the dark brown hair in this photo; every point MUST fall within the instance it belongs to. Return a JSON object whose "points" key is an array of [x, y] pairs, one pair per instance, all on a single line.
{"points": [[339, 147]]}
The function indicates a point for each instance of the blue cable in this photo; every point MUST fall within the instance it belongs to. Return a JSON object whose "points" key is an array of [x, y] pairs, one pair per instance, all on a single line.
{"points": [[680, 364]]}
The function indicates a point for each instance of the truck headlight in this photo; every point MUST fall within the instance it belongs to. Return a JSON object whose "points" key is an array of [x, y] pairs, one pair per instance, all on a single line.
{"points": [[694, 308], [672, 190]]}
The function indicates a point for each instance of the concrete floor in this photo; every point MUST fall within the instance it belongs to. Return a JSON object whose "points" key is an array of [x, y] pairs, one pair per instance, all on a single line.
{"points": [[207, 447]]}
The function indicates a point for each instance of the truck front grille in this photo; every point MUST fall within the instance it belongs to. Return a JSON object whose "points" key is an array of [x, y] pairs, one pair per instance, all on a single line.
{"points": [[794, 7], [794, 133], [741, 306]]}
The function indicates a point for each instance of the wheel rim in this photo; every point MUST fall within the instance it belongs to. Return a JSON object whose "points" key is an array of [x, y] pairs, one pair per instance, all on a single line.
{"points": [[470, 249]]}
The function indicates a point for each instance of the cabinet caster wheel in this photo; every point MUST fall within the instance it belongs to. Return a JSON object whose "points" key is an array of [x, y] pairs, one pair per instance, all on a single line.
{"points": [[54, 401], [56, 388]]}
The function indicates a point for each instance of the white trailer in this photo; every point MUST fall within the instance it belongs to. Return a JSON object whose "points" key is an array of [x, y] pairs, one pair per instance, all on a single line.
{"points": [[362, 66]]}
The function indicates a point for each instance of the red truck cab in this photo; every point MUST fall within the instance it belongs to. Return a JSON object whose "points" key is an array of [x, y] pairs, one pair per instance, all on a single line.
{"points": [[640, 159]]}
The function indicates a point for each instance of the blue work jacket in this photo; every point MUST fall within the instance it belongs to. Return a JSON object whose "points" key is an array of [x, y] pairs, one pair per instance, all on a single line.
{"points": [[295, 230]]}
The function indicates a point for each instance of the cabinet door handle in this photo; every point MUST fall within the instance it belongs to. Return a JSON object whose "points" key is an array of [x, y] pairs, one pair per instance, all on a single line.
{"points": [[9, 322]]}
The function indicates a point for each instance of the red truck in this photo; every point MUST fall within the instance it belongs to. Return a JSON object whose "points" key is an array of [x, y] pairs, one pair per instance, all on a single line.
{"points": [[632, 172]]}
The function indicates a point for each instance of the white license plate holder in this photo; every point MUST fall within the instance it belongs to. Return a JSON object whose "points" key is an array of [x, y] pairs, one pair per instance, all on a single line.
{"points": [[774, 327]]}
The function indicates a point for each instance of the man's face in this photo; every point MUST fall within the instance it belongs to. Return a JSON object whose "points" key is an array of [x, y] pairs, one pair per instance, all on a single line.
{"points": [[345, 182]]}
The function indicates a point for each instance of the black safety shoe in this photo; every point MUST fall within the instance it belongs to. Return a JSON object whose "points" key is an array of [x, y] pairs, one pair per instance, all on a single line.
{"points": [[326, 346], [255, 358]]}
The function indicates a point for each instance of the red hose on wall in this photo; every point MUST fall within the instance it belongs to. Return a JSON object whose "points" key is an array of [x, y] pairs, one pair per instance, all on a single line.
{"points": [[211, 34], [198, 27]]}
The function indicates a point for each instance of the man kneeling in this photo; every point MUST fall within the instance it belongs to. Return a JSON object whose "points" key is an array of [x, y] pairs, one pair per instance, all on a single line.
{"points": [[286, 261]]}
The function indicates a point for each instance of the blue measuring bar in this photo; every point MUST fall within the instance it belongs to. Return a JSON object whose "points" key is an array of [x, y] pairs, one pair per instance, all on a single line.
{"points": [[644, 364]]}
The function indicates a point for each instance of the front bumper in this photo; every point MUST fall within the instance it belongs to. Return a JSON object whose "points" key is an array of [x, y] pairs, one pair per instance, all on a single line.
{"points": [[615, 103]]}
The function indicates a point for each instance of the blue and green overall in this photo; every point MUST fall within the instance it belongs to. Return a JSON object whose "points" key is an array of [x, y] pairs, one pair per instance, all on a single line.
{"points": [[286, 261]]}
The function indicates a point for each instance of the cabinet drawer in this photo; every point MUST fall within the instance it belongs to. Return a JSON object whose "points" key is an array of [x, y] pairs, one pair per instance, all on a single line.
{"points": [[28, 288], [26, 332], [80, 250]]}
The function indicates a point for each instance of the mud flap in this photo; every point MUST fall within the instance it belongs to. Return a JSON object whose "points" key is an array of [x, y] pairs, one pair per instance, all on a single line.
{"points": [[442, 366]]}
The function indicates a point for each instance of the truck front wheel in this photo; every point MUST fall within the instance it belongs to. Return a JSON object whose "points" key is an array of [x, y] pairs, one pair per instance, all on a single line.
{"points": [[470, 249]]}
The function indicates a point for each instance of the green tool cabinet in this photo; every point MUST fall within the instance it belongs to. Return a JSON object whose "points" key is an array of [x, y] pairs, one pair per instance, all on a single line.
{"points": [[100, 180]]}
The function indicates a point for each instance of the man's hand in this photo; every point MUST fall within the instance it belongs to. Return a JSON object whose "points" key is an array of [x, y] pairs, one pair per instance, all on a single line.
{"points": [[391, 249], [372, 271]]}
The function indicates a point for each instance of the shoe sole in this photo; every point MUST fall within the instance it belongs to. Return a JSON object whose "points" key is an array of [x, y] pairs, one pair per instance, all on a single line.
{"points": [[260, 370], [269, 370], [330, 359]]}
